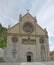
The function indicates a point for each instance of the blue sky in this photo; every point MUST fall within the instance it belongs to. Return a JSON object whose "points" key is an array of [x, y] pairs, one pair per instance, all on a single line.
{"points": [[42, 9]]}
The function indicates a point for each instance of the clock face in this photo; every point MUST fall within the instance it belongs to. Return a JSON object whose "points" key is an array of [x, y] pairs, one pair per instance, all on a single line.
{"points": [[28, 27]]}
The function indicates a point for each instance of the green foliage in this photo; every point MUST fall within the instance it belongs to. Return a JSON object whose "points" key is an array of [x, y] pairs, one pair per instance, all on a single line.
{"points": [[3, 36]]}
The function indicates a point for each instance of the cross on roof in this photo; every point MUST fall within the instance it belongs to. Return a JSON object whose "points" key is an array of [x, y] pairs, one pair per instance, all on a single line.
{"points": [[27, 10]]}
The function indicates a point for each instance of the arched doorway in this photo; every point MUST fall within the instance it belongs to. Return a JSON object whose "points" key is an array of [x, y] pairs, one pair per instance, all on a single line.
{"points": [[29, 57]]}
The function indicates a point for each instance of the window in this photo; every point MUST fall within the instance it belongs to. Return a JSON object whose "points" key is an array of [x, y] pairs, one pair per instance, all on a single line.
{"points": [[52, 58], [41, 40], [14, 39]]}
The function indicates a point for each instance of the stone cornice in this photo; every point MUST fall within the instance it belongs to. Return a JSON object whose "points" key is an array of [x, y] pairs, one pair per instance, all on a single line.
{"points": [[31, 35]]}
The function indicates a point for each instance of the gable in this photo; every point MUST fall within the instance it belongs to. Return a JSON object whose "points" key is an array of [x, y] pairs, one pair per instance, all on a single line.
{"points": [[14, 29], [39, 30], [18, 28], [28, 18]]}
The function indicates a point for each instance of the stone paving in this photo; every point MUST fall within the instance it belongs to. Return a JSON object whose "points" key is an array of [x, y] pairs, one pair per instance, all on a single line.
{"points": [[32, 63]]}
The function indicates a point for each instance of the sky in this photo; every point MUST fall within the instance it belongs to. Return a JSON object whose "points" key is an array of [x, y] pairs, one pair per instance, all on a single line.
{"points": [[42, 9]]}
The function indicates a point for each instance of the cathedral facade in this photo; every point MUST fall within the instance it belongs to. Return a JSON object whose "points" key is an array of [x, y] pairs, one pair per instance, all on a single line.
{"points": [[27, 41]]}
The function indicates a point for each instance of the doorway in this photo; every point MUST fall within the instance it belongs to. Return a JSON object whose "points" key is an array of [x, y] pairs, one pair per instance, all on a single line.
{"points": [[28, 58]]}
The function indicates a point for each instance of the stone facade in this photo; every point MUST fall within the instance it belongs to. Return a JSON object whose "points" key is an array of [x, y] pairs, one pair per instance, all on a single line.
{"points": [[27, 41], [52, 55]]}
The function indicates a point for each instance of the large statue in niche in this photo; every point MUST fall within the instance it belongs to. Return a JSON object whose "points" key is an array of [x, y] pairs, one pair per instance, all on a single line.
{"points": [[42, 47]]}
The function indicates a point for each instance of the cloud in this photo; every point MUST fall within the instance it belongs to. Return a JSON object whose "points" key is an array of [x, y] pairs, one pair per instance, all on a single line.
{"points": [[45, 12], [51, 48], [36, 6], [9, 11]]}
